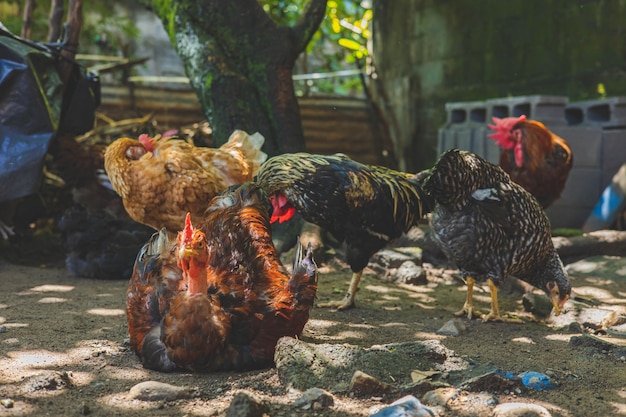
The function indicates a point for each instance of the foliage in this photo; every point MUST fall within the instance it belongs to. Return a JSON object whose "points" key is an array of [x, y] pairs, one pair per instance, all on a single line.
{"points": [[340, 42]]}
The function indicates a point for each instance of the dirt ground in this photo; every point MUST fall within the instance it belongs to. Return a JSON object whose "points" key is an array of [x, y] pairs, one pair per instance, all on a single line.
{"points": [[52, 322]]}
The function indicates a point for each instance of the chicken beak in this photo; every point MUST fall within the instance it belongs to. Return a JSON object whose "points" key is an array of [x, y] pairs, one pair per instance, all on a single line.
{"points": [[557, 303]]}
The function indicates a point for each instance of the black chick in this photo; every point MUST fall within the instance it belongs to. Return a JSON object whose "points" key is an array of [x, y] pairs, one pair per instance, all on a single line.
{"points": [[491, 228], [99, 245], [366, 206]]}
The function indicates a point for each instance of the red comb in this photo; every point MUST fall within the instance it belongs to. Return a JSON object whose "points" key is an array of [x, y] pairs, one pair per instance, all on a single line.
{"points": [[502, 130], [147, 142], [188, 231]]}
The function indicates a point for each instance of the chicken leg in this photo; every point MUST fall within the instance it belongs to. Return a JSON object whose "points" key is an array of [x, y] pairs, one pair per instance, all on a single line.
{"points": [[468, 307], [348, 300], [494, 313]]}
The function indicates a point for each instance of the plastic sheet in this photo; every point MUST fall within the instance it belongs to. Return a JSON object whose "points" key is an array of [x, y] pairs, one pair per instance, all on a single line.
{"points": [[32, 107]]}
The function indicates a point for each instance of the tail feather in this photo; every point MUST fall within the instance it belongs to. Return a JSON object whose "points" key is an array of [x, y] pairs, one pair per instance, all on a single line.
{"points": [[250, 146]]}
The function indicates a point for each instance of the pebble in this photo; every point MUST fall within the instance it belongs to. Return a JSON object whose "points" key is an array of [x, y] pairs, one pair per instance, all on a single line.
{"points": [[245, 405], [452, 327], [408, 406], [3, 329], [314, 399], [7, 403], [363, 384], [520, 410], [158, 391]]}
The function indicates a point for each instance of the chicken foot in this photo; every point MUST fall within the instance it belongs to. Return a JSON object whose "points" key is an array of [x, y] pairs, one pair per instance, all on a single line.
{"points": [[468, 308], [494, 313], [348, 300]]}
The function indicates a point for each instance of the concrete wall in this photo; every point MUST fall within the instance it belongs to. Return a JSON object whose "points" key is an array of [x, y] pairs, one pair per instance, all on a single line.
{"points": [[432, 52]]}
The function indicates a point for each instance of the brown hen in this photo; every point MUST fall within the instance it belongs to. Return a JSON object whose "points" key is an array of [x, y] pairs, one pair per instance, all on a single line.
{"points": [[220, 298], [162, 179], [533, 156]]}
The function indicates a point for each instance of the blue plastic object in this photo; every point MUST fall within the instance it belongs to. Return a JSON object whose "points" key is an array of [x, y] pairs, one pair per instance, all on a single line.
{"points": [[536, 381], [408, 406]]}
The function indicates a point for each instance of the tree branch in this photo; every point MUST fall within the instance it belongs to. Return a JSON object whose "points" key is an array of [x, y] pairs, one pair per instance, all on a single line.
{"points": [[55, 19], [309, 23]]}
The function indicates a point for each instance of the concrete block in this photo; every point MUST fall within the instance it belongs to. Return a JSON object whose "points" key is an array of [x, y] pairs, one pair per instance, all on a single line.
{"points": [[546, 109], [608, 113], [583, 187], [613, 153], [585, 143], [464, 114], [564, 216], [465, 139], [446, 140]]}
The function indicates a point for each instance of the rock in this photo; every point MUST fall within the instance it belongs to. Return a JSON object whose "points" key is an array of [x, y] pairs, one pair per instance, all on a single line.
{"points": [[617, 331], [520, 410], [401, 265], [364, 385], [314, 399], [593, 344], [461, 403], [158, 391], [539, 305], [7, 403], [303, 365], [452, 327], [408, 406], [601, 242], [408, 273], [245, 405], [491, 381], [389, 258], [441, 396], [49, 381]]}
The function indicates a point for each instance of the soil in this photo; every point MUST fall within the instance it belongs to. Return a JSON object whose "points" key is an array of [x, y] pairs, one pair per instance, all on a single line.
{"points": [[64, 352]]}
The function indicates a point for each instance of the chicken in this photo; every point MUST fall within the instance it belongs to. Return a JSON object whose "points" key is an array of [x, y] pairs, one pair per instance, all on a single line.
{"points": [[99, 244], [534, 157], [162, 179], [364, 205], [492, 228], [219, 298]]}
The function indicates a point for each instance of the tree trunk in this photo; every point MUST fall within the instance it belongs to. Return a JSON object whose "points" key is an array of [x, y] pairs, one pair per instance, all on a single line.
{"points": [[240, 64], [55, 20], [27, 18]]}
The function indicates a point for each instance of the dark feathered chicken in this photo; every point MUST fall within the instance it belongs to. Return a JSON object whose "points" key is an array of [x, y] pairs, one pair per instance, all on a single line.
{"points": [[533, 156], [364, 205], [491, 228], [220, 298]]}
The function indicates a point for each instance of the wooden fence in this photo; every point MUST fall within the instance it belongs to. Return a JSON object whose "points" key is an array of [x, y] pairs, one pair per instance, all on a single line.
{"points": [[330, 124]]}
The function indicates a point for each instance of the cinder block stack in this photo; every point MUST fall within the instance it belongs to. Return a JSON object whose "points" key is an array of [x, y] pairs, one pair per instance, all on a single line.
{"points": [[595, 130]]}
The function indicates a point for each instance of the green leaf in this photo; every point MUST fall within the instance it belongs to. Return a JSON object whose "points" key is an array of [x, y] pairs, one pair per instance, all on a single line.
{"points": [[350, 44]]}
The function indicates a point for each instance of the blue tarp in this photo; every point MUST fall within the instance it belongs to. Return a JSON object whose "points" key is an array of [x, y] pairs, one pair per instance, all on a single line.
{"points": [[32, 104]]}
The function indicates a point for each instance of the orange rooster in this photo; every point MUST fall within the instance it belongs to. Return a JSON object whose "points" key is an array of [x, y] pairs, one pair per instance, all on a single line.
{"points": [[161, 179], [534, 157], [218, 299]]}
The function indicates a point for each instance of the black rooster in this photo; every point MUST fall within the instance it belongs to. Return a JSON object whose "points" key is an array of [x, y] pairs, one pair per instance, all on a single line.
{"points": [[491, 228], [364, 205]]}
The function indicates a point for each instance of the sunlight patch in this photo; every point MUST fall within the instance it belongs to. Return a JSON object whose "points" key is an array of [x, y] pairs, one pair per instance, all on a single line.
{"points": [[37, 358], [127, 374], [324, 324], [378, 288], [524, 340], [106, 312], [53, 288], [429, 336], [52, 300], [560, 337]]}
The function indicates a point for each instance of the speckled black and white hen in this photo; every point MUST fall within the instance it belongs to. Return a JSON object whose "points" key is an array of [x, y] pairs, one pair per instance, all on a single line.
{"points": [[492, 228]]}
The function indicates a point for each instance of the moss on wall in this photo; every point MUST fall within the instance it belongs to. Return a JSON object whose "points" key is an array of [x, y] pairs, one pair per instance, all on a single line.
{"points": [[464, 50]]}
